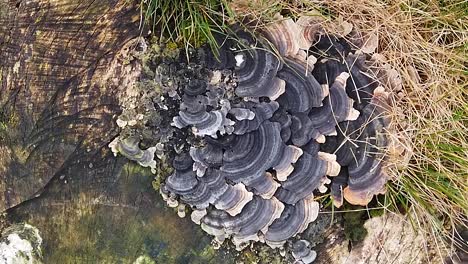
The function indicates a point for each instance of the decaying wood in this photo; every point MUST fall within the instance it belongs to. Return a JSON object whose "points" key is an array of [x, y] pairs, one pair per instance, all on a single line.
{"points": [[390, 238], [54, 104], [63, 64]]}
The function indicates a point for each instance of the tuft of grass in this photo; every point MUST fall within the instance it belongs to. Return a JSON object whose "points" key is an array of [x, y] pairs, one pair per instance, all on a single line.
{"points": [[188, 22]]}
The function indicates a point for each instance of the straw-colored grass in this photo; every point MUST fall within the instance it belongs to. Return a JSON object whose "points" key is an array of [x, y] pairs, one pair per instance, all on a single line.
{"points": [[426, 42]]}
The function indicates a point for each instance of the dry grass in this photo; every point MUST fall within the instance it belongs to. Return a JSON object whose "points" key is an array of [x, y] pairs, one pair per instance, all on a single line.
{"points": [[426, 42]]}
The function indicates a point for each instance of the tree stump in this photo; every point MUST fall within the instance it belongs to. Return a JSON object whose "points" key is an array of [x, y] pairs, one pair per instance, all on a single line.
{"points": [[63, 64]]}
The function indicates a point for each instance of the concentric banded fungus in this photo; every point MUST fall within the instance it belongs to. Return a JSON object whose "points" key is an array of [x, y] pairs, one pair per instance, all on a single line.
{"points": [[338, 184], [264, 186], [129, 148], [256, 74], [309, 27], [344, 144], [208, 156], [283, 34], [366, 175], [212, 223], [207, 191], [284, 119], [267, 142], [204, 123], [336, 108], [234, 199], [256, 216], [302, 252], [242, 113], [303, 130], [182, 183], [197, 216], [293, 220], [359, 85], [195, 87], [255, 152], [210, 189], [308, 171], [261, 111], [366, 179], [302, 90]]}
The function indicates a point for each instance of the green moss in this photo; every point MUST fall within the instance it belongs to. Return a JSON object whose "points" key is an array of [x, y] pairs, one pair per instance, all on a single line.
{"points": [[260, 253], [376, 212], [207, 256], [208, 253], [171, 50], [163, 170], [132, 168], [270, 256], [353, 223], [8, 123]]}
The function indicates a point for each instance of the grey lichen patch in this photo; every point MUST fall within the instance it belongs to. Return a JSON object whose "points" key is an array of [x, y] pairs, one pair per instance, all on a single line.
{"points": [[140, 120], [317, 231], [144, 259], [149, 105], [20, 243]]}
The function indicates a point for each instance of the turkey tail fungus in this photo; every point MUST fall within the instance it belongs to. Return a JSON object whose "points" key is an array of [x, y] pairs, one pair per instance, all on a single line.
{"points": [[265, 134]]}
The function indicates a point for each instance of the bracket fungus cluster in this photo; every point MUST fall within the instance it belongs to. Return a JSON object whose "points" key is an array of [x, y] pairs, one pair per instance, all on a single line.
{"points": [[301, 111]]}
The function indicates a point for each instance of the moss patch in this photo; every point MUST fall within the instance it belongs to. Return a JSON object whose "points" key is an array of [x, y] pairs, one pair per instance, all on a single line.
{"points": [[353, 223]]}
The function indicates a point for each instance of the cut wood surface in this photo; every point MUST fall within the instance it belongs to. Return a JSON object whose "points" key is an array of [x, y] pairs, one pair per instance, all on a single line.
{"points": [[62, 67], [54, 103]]}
